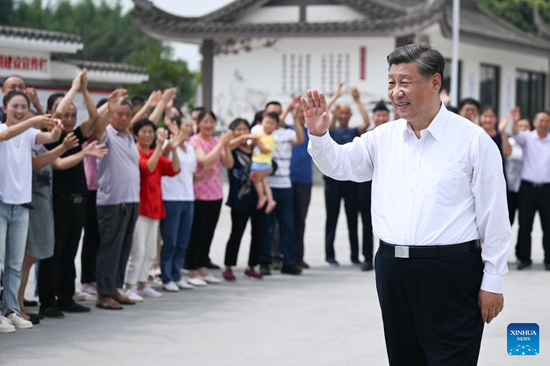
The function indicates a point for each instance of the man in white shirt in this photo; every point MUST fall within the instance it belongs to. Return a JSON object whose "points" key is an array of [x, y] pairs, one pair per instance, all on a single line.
{"points": [[437, 188]]}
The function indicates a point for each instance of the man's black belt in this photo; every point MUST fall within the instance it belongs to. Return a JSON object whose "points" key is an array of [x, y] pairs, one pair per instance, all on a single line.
{"points": [[535, 185], [428, 251]]}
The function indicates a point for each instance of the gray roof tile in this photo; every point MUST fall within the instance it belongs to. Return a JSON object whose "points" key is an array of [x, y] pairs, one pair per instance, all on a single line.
{"points": [[39, 34]]}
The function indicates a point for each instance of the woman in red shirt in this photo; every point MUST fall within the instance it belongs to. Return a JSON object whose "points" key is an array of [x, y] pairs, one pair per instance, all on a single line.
{"points": [[152, 166]]}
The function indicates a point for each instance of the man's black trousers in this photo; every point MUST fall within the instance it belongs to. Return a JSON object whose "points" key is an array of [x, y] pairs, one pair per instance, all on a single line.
{"points": [[430, 308]]}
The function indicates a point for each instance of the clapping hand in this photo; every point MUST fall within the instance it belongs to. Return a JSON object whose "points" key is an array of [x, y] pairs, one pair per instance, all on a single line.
{"points": [[70, 142], [115, 99], [44, 122], [315, 113], [162, 135], [339, 89], [172, 126], [516, 114], [154, 98], [31, 94], [96, 150], [176, 139], [354, 93], [83, 80], [77, 81], [226, 137], [168, 95]]}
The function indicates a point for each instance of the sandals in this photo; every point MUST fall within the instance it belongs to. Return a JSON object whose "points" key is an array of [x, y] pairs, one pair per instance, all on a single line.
{"points": [[108, 304]]}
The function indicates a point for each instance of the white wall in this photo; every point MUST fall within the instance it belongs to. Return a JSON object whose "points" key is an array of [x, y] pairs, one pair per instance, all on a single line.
{"points": [[243, 83], [273, 14], [472, 56], [331, 13]]}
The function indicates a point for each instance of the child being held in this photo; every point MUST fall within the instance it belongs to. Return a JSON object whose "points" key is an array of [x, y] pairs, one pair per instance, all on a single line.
{"points": [[262, 159]]}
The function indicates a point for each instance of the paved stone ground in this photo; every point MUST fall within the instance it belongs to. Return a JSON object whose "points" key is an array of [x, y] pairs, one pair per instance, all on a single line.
{"points": [[328, 316]]}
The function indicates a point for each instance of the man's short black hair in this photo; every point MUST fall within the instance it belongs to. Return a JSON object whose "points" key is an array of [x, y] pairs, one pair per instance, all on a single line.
{"points": [[274, 116], [273, 102], [471, 101], [380, 106], [101, 102], [428, 60], [200, 109], [128, 103], [138, 100]]}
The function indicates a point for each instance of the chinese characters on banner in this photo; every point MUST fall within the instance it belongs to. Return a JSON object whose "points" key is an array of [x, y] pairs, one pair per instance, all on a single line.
{"points": [[23, 63]]}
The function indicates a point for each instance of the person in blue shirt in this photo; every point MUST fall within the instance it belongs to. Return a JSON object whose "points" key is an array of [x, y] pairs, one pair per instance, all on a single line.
{"points": [[301, 175], [335, 190]]}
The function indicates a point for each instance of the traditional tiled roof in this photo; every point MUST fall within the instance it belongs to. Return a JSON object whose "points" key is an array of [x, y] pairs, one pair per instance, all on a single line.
{"points": [[106, 66], [39, 34], [382, 18]]}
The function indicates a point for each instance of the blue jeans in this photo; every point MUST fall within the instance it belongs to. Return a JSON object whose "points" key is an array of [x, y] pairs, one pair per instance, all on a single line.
{"points": [[175, 229], [284, 213], [14, 227]]}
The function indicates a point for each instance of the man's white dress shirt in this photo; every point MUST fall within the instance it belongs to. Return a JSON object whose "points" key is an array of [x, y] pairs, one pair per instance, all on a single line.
{"points": [[445, 188]]}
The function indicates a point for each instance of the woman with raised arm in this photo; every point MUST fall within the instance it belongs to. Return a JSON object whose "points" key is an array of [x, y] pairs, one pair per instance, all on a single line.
{"points": [[152, 166], [214, 152], [15, 196]]}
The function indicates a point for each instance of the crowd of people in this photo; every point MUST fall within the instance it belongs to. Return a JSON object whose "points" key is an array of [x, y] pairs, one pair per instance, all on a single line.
{"points": [[136, 170]]}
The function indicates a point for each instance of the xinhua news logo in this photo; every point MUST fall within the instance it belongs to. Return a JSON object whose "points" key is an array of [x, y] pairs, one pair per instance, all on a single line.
{"points": [[523, 339]]}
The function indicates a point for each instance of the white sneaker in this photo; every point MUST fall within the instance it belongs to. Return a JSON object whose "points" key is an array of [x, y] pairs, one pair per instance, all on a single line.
{"points": [[211, 280], [132, 294], [149, 292], [89, 288], [19, 322], [171, 287], [184, 285], [196, 282], [6, 326]]}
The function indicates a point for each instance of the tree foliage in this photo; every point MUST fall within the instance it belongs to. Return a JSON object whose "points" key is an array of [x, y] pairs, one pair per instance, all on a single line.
{"points": [[108, 35], [518, 12]]}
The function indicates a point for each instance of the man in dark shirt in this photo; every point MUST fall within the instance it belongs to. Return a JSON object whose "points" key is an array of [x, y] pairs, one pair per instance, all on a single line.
{"points": [[57, 274]]}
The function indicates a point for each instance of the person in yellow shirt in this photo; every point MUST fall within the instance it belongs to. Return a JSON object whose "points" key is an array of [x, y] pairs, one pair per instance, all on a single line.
{"points": [[262, 159]]}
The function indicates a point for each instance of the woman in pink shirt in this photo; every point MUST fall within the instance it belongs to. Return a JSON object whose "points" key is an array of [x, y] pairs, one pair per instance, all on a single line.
{"points": [[213, 152]]}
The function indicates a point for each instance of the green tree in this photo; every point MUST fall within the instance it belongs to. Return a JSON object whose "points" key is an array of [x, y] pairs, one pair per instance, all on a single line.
{"points": [[108, 35], [518, 12]]}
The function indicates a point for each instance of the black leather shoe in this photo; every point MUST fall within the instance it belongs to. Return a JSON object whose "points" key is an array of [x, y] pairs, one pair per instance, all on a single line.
{"points": [[52, 312], [211, 265], [291, 269], [367, 266], [302, 264], [265, 270], [522, 265], [73, 307], [29, 303], [547, 266]]}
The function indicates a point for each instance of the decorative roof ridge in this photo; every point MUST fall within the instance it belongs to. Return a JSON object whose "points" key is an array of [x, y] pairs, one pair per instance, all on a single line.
{"points": [[103, 65], [29, 32]]}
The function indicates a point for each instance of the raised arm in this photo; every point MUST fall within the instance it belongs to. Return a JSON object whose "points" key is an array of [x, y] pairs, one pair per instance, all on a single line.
{"points": [[113, 104], [366, 121], [93, 149], [288, 109], [175, 141], [167, 95], [70, 142], [152, 101], [506, 147], [227, 157], [67, 100], [335, 117], [516, 116], [38, 122], [203, 159], [335, 96], [153, 160], [352, 161], [299, 138], [87, 127], [33, 97], [44, 138]]}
